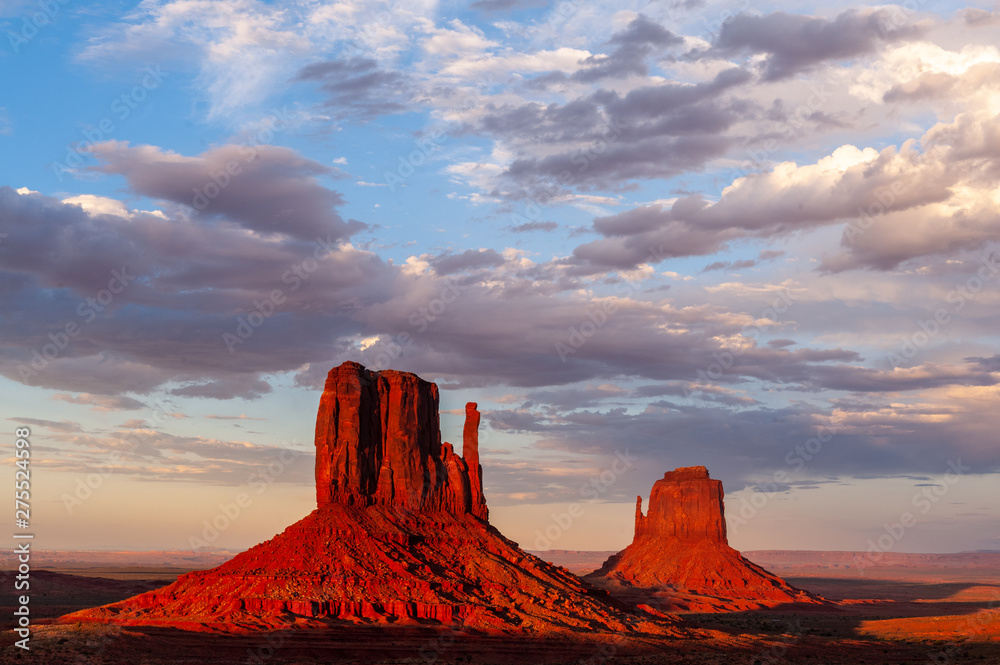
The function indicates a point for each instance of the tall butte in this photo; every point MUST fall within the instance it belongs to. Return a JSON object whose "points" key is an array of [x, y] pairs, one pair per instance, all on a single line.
{"points": [[378, 442], [680, 551], [400, 536]]}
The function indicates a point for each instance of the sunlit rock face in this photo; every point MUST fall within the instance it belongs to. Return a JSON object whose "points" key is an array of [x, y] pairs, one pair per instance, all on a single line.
{"points": [[680, 545], [400, 536], [378, 442]]}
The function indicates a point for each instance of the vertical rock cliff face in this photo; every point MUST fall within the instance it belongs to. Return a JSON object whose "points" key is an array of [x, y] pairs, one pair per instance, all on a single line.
{"points": [[400, 536], [680, 544], [378, 442], [685, 505]]}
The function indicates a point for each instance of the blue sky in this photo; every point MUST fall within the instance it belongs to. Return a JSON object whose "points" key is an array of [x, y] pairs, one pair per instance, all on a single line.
{"points": [[701, 232]]}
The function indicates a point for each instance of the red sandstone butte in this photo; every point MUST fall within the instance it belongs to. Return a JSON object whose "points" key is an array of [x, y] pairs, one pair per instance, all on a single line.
{"points": [[400, 536], [378, 442], [680, 545]]}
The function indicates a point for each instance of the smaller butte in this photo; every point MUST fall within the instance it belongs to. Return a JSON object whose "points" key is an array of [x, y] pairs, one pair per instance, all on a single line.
{"points": [[680, 557]]}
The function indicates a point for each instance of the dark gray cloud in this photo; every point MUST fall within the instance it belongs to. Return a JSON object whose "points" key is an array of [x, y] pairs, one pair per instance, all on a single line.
{"points": [[975, 17], [265, 188], [604, 139], [746, 446], [991, 364], [470, 259], [358, 89], [533, 226], [168, 325], [632, 48], [730, 265], [506, 5], [188, 283], [794, 43], [225, 389], [650, 235]]}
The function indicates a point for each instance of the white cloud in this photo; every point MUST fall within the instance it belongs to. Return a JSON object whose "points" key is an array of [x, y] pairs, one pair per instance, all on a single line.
{"points": [[102, 205]]}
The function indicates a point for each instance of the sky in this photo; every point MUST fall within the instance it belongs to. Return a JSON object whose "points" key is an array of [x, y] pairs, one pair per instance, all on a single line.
{"points": [[763, 238]]}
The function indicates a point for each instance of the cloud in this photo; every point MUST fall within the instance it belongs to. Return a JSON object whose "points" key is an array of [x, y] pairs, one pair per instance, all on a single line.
{"points": [[240, 48], [533, 226], [748, 442], [225, 389], [190, 281], [470, 259], [895, 205], [794, 43], [53, 425], [975, 17], [506, 5], [149, 454], [730, 265], [606, 139], [264, 188], [358, 89], [935, 84], [102, 402], [632, 47], [581, 338]]}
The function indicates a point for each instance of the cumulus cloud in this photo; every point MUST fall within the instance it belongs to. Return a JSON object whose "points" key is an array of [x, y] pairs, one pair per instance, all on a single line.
{"points": [[605, 139], [793, 43], [265, 188], [470, 259], [582, 342], [935, 187], [631, 48]]}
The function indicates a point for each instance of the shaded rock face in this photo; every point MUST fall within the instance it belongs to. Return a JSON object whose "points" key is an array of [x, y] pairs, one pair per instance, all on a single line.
{"points": [[680, 545], [378, 441], [399, 537]]}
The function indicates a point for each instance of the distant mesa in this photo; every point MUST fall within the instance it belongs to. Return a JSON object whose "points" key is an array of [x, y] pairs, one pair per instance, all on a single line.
{"points": [[400, 536], [680, 550]]}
